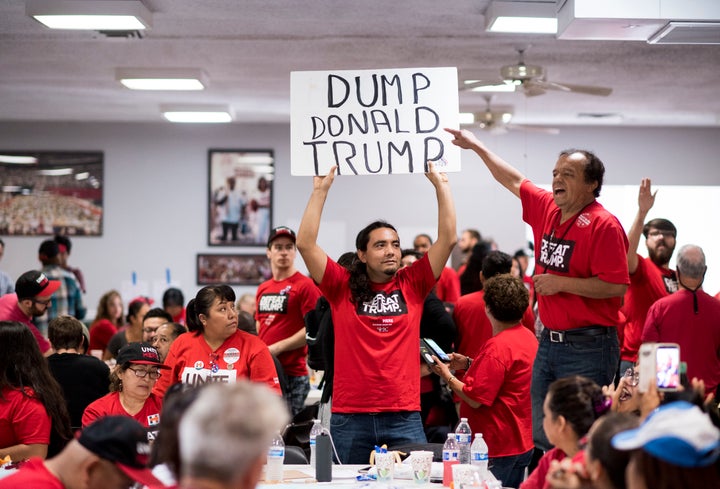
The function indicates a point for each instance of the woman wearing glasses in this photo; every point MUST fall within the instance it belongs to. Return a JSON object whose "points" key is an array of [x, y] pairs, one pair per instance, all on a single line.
{"points": [[131, 384]]}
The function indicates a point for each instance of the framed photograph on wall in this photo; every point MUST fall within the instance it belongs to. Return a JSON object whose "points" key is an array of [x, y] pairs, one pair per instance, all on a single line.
{"points": [[240, 196], [43, 193], [232, 269]]}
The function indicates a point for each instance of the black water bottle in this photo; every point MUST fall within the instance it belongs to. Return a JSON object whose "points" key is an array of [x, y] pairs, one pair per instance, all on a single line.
{"points": [[323, 459]]}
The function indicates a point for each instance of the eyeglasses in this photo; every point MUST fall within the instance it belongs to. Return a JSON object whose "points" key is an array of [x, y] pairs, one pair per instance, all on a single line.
{"points": [[44, 303], [632, 377], [142, 373], [665, 234]]}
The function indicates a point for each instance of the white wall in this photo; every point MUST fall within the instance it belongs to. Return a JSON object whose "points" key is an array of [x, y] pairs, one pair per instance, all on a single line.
{"points": [[155, 198]]}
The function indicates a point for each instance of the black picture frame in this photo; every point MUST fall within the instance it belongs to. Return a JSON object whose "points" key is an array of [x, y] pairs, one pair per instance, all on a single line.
{"points": [[241, 215], [232, 269], [51, 192]]}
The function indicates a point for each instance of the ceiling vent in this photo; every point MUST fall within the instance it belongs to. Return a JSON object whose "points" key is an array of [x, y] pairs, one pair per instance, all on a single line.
{"points": [[687, 33]]}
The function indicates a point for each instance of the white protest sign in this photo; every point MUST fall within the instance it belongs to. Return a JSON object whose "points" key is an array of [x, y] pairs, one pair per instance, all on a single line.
{"points": [[373, 121]]}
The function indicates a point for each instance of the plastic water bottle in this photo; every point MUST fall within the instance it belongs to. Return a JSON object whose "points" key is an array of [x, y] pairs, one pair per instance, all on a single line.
{"points": [[314, 432], [275, 458], [463, 436], [479, 453], [450, 457]]}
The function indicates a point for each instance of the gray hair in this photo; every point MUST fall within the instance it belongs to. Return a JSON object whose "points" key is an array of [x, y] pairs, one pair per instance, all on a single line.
{"points": [[228, 428], [691, 261]]}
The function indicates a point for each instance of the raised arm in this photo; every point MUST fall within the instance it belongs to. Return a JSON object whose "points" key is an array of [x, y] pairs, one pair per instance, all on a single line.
{"points": [[508, 176], [439, 252], [314, 256], [646, 199]]}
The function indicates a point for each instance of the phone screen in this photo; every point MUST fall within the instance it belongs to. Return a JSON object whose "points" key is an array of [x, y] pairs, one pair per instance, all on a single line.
{"points": [[436, 350], [667, 367]]}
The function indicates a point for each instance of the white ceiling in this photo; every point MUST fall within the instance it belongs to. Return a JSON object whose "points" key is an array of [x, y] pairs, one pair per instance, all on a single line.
{"points": [[249, 47]]}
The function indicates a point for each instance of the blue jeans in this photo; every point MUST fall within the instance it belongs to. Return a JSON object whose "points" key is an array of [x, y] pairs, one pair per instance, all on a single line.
{"points": [[596, 359], [355, 435], [297, 392], [510, 470]]}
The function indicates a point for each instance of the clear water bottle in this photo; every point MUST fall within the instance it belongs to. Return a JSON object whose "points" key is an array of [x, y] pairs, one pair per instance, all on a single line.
{"points": [[463, 436], [479, 453], [314, 432], [450, 457], [275, 458]]}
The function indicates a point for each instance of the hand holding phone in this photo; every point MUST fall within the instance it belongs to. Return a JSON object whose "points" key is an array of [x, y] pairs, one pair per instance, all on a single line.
{"points": [[659, 363]]}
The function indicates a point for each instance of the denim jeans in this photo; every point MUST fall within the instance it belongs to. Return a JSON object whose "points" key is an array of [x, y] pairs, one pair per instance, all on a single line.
{"points": [[297, 392], [355, 435], [510, 470], [596, 359]]}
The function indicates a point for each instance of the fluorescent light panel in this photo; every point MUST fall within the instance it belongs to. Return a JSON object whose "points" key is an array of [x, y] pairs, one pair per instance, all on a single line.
{"points": [[18, 160], [162, 78], [521, 17], [98, 15], [204, 114]]}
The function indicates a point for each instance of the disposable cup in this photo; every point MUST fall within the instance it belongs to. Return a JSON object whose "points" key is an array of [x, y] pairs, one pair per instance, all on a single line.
{"points": [[421, 462], [385, 465], [464, 475]]}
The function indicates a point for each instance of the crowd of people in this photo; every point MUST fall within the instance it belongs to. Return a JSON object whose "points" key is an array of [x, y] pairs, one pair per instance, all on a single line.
{"points": [[543, 362]]}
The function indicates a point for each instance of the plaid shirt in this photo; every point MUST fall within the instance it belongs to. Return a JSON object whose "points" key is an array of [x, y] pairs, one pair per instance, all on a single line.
{"points": [[66, 301]]}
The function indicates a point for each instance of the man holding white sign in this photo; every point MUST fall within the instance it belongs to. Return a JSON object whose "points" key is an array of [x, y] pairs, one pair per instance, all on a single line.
{"points": [[373, 121], [376, 308]]}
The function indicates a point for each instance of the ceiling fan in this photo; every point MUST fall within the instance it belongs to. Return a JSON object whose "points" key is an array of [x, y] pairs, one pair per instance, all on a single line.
{"points": [[497, 119], [531, 78]]}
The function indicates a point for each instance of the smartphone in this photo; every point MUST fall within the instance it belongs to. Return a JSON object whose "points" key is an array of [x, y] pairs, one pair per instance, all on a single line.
{"points": [[659, 362], [434, 349]]}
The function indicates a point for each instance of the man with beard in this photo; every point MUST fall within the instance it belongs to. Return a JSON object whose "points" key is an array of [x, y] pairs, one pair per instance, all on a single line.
{"points": [[468, 239], [650, 278], [31, 299]]}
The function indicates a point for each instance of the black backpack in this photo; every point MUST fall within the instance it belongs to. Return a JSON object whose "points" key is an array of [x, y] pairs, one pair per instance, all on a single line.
{"points": [[320, 336]]}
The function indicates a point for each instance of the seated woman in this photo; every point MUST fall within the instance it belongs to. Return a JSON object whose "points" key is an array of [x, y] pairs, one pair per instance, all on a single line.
{"points": [[603, 466], [34, 421], [571, 406], [495, 390], [214, 350], [108, 319], [131, 383]]}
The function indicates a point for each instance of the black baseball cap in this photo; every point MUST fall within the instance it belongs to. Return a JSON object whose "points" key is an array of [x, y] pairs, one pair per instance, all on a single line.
{"points": [[35, 284], [122, 441], [279, 232], [48, 249], [140, 353]]}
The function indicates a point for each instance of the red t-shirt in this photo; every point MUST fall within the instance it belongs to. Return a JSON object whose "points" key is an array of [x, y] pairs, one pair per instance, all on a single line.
{"points": [[109, 405], [281, 309], [592, 244], [499, 379], [377, 360], [10, 311], [242, 355], [23, 419], [672, 319], [100, 334], [537, 479], [473, 325], [648, 284], [32, 474], [448, 286]]}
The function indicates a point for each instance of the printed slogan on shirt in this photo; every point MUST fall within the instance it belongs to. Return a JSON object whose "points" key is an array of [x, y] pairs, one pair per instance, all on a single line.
{"points": [[555, 254]]}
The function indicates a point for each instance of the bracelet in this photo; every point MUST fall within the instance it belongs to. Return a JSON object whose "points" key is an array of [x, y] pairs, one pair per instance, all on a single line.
{"points": [[469, 362], [450, 379]]}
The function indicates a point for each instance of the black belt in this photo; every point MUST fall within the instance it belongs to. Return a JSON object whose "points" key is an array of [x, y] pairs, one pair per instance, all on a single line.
{"points": [[585, 334]]}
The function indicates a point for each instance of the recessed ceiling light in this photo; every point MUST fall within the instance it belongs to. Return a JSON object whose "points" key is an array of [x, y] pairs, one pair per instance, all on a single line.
{"points": [[204, 114], [162, 78], [98, 15], [521, 17], [18, 160]]}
